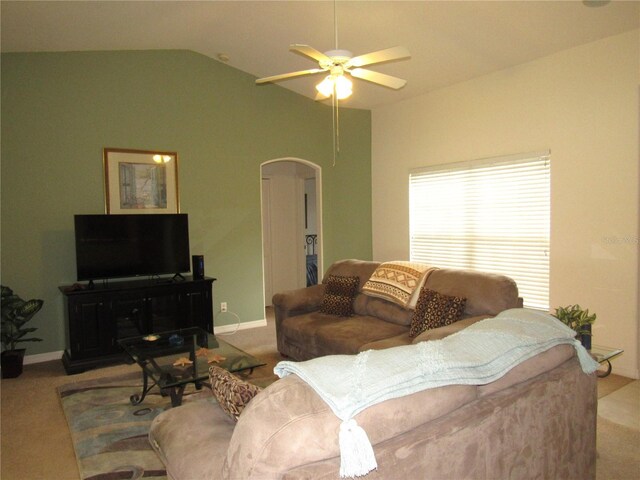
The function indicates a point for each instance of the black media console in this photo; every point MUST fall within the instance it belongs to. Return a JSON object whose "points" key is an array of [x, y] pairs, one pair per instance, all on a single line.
{"points": [[98, 317]]}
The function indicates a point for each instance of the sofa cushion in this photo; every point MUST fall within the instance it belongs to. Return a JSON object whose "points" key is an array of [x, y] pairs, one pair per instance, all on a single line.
{"points": [[338, 295], [270, 439], [208, 430], [395, 281], [320, 334], [486, 293], [232, 393], [382, 309], [435, 310]]}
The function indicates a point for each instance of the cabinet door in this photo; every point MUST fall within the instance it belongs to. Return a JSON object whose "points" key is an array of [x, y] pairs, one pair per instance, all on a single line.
{"points": [[198, 309], [90, 329], [164, 310], [129, 316]]}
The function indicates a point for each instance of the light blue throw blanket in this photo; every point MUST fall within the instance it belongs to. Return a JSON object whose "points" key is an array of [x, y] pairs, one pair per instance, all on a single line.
{"points": [[476, 355]]}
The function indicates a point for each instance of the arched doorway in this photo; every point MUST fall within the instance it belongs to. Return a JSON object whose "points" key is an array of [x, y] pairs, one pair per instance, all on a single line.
{"points": [[291, 193]]}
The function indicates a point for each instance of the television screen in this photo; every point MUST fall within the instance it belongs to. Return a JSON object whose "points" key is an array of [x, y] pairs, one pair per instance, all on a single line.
{"points": [[112, 246]]}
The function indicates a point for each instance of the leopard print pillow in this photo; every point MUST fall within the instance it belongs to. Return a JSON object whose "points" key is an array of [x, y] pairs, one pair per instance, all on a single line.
{"points": [[435, 310], [232, 393], [338, 295]]}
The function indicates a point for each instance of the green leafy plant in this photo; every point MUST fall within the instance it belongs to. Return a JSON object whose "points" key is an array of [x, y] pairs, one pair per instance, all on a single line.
{"points": [[576, 318], [16, 312]]}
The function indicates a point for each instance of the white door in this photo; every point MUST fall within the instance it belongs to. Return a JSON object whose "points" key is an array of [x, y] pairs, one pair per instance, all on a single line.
{"points": [[266, 239], [283, 224]]}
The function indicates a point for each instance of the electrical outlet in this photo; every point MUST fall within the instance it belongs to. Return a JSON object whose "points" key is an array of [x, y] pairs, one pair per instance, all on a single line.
{"points": [[223, 306]]}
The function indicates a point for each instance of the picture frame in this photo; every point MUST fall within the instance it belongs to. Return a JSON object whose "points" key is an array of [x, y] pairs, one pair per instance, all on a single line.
{"points": [[140, 181]]}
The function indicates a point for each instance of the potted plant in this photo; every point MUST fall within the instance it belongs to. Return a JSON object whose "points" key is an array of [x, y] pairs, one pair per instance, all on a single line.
{"points": [[15, 313], [579, 320]]}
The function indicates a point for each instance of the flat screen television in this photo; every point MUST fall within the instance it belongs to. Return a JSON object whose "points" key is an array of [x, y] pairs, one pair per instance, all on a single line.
{"points": [[118, 246]]}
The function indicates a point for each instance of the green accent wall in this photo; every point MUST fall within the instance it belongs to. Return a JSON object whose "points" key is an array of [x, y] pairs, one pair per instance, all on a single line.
{"points": [[58, 112]]}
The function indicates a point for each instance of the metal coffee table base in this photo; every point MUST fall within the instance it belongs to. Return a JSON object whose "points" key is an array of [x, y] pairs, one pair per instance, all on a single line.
{"points": [[175, 392]]}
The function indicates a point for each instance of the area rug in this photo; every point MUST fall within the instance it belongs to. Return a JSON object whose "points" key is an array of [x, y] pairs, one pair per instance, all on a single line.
{"points": [[110, 434]]}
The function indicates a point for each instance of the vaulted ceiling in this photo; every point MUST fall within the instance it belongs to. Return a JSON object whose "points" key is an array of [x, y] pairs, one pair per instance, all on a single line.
{"points": [[449, 41]]}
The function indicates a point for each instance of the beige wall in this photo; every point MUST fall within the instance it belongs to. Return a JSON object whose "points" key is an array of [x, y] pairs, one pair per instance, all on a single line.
{"points": [[582, 104]]}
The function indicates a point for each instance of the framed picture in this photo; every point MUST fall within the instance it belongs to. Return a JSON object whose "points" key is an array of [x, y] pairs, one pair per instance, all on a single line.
{"points": [[140, 181]]}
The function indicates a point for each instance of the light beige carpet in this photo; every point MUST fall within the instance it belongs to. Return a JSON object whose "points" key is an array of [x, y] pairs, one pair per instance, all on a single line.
{"points": [[622, 406], [618, 451], [618, 434]]}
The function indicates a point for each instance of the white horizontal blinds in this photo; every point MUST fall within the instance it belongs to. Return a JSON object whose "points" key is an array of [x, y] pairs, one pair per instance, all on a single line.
{"points": [[489, 215]]}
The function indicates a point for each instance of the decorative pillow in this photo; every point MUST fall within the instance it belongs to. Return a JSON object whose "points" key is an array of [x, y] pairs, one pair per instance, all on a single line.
{"points": [[435, 310], [231, 392], [395, 281], [338, 296]]}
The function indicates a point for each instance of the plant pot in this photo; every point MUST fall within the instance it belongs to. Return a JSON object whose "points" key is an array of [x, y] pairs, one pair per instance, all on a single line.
{"points": [[11, 362], [585, 338]]}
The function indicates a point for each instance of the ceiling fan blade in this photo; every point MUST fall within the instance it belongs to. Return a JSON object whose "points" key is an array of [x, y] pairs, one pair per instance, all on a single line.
{"points": [[285, 76], [310, 52], [379, 78], [387, 55]]}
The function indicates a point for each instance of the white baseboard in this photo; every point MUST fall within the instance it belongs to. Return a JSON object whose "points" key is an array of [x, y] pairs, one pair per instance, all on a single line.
{"points": [[239, 326], [42, 357]]}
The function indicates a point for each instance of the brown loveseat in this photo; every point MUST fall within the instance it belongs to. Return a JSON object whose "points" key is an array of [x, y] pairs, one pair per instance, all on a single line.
{"points": [[304, 333]]}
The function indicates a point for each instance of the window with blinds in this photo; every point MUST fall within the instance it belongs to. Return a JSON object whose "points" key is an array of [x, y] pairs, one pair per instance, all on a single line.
{"points": [[487, 215]]}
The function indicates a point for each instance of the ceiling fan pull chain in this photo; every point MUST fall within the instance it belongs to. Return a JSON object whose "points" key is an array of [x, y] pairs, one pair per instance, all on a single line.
{"points": [[335, 21], [337, 125], [333, 126], [335, 120]]}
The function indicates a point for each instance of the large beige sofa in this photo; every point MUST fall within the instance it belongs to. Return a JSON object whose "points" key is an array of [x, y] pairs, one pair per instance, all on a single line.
{"points": [[537, 421], [304, 333]]}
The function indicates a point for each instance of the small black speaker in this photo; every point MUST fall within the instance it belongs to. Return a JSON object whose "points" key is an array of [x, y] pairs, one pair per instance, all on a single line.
{"points": [[198, 266]]}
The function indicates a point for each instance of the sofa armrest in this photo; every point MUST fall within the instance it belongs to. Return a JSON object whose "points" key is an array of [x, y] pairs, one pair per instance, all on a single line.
{"points": [[303, 300], [292, 304], [441, 332]]}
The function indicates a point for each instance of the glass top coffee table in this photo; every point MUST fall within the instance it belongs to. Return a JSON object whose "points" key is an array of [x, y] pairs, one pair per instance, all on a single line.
{"points": [[173, 359]]}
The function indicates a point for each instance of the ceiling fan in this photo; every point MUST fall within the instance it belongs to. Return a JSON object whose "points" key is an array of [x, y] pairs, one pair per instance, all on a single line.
{"points": [[340, 64]]}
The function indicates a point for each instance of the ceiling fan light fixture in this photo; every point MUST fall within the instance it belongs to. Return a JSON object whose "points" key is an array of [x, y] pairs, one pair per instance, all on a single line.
{"points": [[342, 85], [325, 87]]}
